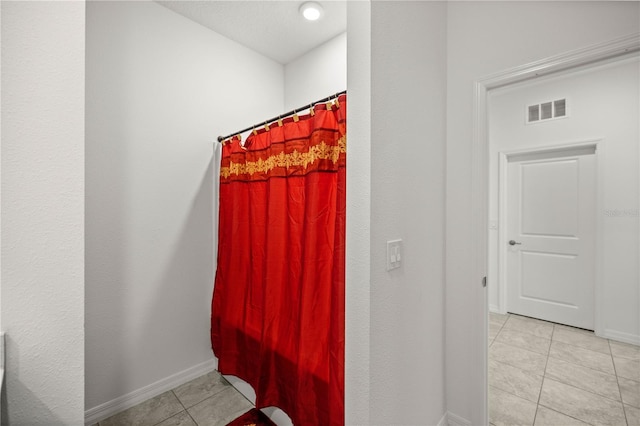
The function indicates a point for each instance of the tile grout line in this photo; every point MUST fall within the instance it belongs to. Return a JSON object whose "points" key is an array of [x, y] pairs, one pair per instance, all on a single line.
{"points": [[544, 374], [587, 390], [185, 408], [584, 366], [500, 330], [226, 386], [521, 348], [543, 379], [504, 326], [175, 414], [517, 347], [624, 412]]}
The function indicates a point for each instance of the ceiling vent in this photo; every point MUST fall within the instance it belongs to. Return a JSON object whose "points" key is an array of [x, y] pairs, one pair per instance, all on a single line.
{"points": [[547, 111]]}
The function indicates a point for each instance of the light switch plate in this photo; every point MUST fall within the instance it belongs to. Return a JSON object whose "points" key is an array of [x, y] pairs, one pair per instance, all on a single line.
{"points": [[394, 254]]}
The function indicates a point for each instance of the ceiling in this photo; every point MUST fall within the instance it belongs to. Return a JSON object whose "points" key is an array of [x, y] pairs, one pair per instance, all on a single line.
{"points": [[273, 28]]}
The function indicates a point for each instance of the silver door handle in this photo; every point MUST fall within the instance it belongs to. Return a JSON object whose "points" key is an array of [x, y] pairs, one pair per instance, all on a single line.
{"points": [[513, 243]]}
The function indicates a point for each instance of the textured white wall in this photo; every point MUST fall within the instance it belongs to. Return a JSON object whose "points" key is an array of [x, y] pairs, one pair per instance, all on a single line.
{"points": [[408, 96], [357, 327], [160, 89], [603, 103], [1, 385], [317, 74], [484, 38], [43, 211]]}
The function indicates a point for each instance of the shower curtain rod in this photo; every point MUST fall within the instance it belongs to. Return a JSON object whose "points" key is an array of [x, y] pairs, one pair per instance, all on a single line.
{"points": [[279, 117]]}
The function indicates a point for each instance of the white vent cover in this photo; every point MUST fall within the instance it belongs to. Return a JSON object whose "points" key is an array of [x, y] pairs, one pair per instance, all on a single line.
{"points": [[547, 111]]}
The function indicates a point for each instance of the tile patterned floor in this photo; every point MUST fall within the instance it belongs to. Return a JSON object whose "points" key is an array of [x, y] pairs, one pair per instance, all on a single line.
{"points": [[208, 400], [540, 374], [547, 374]]}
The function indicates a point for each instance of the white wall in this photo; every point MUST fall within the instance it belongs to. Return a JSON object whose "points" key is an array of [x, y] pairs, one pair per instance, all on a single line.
{"points": [[317, 74], [1, 366], [603, 104], [484, 38], [358, 241], [42, 278], [408, 96], [160, 89]]}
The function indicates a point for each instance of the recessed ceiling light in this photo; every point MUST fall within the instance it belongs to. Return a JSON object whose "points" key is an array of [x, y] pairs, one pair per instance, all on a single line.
{"points": [[311, 11]]}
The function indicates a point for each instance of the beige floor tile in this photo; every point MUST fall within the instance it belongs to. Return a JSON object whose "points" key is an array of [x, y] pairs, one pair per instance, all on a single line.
{"points": [[633, 415], [498, 318], [180, 419], [548, 417], [533, 326], [624, 350], [524, 340], [506, 409], [627, 368], [585, 357], [582, 340], [583, 377], [201, 388], [494, 329], [220, 409], [148, 413], [630, 390], [518, 357], [581, 404], [514, 380]]}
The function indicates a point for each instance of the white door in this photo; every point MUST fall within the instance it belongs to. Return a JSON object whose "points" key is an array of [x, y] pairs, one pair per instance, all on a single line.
{"points": [[550, 244]]}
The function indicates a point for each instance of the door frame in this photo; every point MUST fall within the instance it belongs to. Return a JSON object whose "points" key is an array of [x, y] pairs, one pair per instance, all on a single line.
{"points": [[503, 163], [619, 47]]}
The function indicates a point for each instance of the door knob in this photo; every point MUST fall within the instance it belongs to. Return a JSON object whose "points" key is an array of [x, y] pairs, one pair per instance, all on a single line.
{"points": [[513, 243]]}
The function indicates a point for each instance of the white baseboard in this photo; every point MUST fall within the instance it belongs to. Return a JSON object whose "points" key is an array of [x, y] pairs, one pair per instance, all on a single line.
{"points": [[455, 420], [109, 408], [620, 336]]}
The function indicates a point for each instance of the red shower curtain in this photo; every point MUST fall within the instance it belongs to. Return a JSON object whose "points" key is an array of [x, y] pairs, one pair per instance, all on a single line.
{"points": [[278, 303]]}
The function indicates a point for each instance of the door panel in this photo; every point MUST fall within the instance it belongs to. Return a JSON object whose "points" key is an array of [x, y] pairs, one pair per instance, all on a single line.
{"points": [[544, 276], [550, 198], [551, 218]]}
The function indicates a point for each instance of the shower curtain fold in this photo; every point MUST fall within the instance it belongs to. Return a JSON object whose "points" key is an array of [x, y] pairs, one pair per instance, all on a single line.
{"points": [[278, 305]]}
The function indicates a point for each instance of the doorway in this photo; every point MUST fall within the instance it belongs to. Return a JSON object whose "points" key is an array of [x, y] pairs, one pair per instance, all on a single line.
{"points": [[549, 198], [596, 135], [546, 156]]}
